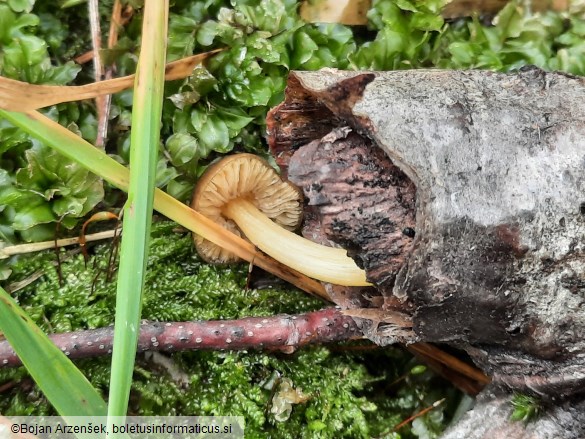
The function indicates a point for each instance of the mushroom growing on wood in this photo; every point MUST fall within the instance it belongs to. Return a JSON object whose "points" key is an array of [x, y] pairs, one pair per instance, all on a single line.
{"points": [[244, 194]]}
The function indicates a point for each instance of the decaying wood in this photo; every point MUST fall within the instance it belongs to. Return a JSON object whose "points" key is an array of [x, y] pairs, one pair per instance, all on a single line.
{"points": [[494, 262], [466, 8]]}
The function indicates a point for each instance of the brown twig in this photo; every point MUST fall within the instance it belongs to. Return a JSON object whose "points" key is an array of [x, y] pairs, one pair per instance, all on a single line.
{"points": [[419, 414], [450, 368], [429, 350], [284, 332], [99, 216], [104, 103], [119, 20], [7, 386], [101, 102]]}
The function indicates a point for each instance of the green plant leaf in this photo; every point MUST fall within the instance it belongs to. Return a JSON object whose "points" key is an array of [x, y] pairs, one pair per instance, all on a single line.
{"points": [[62, 383], [182, 148], [7, 19], [207, 33], [426, 22], [31, 212], [214, 135], [21, 5], [180, 189], [197, 120], [406, 5], [384, 53], [305, 47], [164, 173], [51, 188], [144, 140], [234, 118], [462, 52]]}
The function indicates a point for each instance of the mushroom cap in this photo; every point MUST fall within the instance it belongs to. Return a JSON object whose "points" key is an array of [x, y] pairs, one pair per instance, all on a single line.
{"points": [[243, 176]]}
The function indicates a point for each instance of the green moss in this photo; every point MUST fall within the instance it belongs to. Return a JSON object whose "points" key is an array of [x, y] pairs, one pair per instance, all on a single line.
{"points": [[526, 408], [348, 394]]}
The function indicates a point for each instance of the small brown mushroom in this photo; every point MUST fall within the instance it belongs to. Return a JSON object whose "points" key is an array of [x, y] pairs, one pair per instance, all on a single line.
{"points": [[245, 195]]}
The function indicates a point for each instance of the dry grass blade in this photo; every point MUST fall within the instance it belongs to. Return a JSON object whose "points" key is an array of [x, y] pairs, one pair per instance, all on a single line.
{"points": [[22, 96], [6, 252]]}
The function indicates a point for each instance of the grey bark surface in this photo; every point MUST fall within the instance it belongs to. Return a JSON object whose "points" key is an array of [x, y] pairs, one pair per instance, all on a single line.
{"points": [[497, 266], [490, 419]]}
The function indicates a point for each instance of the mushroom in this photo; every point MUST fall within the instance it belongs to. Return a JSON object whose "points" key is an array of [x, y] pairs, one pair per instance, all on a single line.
{"points": [[244, 194]]}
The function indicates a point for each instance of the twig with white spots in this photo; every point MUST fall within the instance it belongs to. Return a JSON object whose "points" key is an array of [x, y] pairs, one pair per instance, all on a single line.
{"points": [[283, 332]]}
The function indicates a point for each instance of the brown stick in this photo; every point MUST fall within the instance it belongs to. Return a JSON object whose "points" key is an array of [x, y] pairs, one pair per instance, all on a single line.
{"points": [[429, 351], [419, 414], [102, 102], [284, 332], [460, 380]]}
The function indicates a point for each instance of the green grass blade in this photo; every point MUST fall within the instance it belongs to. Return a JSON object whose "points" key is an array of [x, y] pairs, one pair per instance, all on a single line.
{"points": [[61, 382], [84, 153], [144, 141]]}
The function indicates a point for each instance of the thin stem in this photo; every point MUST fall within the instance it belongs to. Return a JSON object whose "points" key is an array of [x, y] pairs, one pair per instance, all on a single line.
{"points": [[327, 264], [45, 245], [102, 102]]}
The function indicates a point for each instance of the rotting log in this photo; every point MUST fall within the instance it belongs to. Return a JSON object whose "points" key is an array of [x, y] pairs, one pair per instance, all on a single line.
{"points": [[462, 194]]}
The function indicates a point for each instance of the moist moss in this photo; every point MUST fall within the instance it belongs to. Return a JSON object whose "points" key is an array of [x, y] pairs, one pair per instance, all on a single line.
{"points": [[345, 393]]}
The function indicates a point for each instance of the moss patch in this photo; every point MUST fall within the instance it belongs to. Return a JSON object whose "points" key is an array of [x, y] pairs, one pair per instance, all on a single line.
{"points": [[347, 393]]}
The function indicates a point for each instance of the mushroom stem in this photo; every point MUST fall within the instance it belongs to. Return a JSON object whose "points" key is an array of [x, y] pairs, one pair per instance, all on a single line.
{"points": [[327, 264]]}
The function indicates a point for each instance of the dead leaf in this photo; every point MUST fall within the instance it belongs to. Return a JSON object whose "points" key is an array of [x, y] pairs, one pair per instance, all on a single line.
{"points": [[350, 12], [22, 96], [284, 399]]}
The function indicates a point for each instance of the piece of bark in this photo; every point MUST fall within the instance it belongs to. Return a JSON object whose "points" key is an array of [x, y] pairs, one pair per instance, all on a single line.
{"points": [[358, 199], [497, 265], [468, 8], [490, 419], [365, 203]]}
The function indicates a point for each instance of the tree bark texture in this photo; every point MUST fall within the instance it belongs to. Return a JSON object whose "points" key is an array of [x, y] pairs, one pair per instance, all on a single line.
{"points": [[462, 194], [490, 419], [467, 8]]}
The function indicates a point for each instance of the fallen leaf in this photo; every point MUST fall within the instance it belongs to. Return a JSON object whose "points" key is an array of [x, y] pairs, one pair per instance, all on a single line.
{"points": [[22, 96], [350, 12]]}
